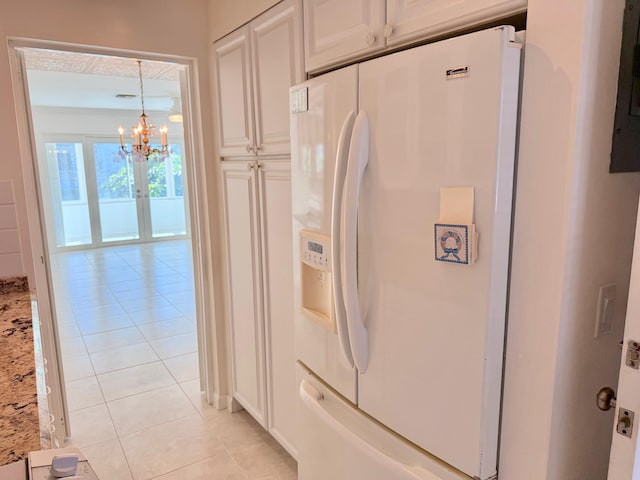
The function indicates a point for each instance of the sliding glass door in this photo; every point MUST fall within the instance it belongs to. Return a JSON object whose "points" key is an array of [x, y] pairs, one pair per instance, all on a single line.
{"points": [[166, 195], [118, 194], [67, 187], [99, 197]]}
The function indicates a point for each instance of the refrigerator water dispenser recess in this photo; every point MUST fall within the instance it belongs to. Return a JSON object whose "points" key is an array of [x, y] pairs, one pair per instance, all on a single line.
{"points": [[316, 279]]}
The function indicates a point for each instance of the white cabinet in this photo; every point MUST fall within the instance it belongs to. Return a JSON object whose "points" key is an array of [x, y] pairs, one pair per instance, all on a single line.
{"points": [[336, 32], [254, 68], [257, 208], [409, 20], [242, 227], [233, 88]]}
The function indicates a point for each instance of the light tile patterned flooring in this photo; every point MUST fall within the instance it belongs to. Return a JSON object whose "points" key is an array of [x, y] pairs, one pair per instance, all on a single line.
{"points": [[128, 335]]}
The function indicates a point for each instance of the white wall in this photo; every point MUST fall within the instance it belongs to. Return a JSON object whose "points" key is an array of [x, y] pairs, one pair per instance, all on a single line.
{"points": [[11, 263], [573, 232]]}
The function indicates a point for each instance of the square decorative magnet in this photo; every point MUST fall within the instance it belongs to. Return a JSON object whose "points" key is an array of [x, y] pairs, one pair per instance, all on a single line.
{"points": [[452, 243]]}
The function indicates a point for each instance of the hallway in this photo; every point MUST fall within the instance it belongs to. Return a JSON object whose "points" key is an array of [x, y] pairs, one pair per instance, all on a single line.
{"points": [[127, 327]]}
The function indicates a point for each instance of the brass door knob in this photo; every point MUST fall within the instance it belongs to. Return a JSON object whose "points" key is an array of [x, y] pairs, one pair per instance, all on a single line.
{"points": [[606, 399]]}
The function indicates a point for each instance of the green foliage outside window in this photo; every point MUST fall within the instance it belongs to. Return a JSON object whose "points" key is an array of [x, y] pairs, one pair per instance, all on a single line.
{"points": [[121, 183]]}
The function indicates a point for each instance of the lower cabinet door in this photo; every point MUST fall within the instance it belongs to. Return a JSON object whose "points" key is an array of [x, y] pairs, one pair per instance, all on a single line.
{"points": [[275, 213], [242, 226], [257, 213]]}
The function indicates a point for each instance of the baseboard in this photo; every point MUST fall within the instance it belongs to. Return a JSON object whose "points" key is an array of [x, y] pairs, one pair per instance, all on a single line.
{"points": [[221, 402]]}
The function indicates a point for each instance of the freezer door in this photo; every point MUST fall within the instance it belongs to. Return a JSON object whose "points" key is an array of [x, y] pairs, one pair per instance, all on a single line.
{"points": [[340, 443], [436, 329], [322, 115]]}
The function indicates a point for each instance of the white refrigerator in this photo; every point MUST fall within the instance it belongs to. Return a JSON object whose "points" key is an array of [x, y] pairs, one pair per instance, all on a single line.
{"points": [[402, 184]]}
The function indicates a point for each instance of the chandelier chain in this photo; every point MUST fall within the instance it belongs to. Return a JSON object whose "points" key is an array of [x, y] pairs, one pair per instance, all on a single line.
{"points": [[141, 86]]}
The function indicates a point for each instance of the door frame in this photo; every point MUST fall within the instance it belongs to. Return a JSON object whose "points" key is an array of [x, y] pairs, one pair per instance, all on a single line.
{"points": [[625, 444], [211, 363]]}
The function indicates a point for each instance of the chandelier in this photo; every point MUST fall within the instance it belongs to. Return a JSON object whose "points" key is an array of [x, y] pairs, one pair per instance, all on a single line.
{"points": [[141, 134]]}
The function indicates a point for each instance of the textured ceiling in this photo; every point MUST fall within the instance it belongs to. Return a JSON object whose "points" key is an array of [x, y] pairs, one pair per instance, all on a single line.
{"points": [[72, 62], [80, 80]]}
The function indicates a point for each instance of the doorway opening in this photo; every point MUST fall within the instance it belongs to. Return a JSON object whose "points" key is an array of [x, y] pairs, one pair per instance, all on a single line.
{"points": [[93, 193], [121, 263]]}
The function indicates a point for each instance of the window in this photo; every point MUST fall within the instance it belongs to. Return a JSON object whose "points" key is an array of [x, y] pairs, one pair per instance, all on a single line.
{"points": [[67, 163], [114, 175], [165, 177]]}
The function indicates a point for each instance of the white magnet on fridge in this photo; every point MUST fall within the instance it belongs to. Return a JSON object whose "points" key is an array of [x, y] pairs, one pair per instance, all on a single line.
{"points": [[456, 205], [455, 236]]}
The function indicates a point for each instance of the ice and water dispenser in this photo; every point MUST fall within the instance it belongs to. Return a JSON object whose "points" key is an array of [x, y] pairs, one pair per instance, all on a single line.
{"points": [[316, 278]]}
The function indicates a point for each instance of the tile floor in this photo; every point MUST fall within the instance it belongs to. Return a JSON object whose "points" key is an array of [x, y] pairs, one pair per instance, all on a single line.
{"points": [[128, 335]]}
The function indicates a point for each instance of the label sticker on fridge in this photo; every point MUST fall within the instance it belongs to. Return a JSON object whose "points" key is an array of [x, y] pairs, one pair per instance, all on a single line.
{"points": [[460, 72], [299, 100]]}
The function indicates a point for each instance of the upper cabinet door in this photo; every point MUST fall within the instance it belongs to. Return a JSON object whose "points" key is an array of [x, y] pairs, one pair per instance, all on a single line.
{"points": [[277, 65], [235, 106], [409, 20], [336, 31]]}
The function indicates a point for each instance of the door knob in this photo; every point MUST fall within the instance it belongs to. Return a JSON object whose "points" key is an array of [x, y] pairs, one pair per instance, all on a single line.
{"points": [[606, 399]]}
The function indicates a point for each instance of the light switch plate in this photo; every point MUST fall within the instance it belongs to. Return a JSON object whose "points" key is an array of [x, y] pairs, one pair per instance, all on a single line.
{"points": [[300, 100], [605, 309]]}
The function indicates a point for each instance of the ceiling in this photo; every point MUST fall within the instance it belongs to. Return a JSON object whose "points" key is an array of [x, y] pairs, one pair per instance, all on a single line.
{"points": [[80, 80]]}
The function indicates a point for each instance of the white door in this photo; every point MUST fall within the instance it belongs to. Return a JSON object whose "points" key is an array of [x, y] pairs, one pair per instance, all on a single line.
{"points": [[624, 463], [233, 87], [277, 64], [412, 19], [335, 31], [274, 182], [317, 127], [242, 226], [436, 329]]}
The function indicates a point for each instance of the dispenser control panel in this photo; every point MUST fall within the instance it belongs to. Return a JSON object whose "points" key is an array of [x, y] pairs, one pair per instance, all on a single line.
{"points": [[316, 279], [316, 250]]}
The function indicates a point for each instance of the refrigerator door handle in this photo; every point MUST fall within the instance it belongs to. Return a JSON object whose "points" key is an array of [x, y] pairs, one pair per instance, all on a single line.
{"points": [[342, 155], [315, 402], [358, 159]]}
